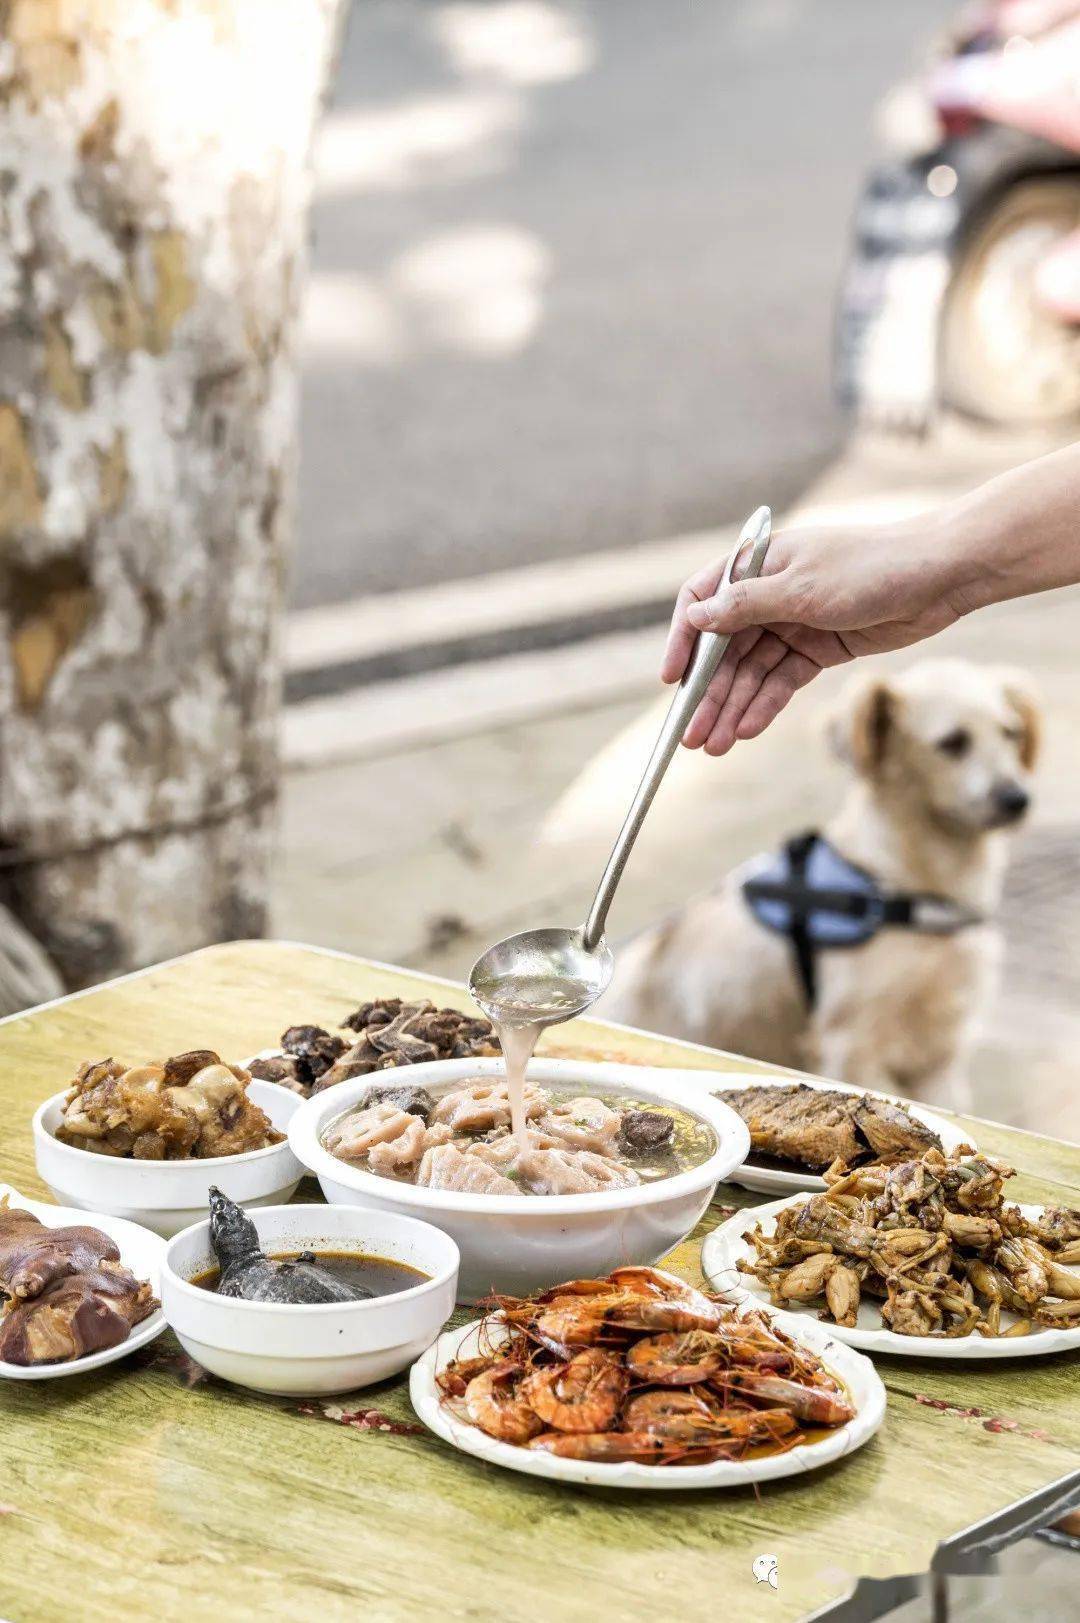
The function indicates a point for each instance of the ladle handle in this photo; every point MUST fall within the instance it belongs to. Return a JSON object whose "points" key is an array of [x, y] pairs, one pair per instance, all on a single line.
{"points": [[708, 652]]}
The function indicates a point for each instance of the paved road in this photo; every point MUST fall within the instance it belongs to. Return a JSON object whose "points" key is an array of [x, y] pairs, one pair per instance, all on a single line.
{"points": [[573, 273]]}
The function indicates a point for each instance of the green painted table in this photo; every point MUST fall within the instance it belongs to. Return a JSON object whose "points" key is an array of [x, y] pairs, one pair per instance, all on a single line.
{"points": [[150, 1491]]}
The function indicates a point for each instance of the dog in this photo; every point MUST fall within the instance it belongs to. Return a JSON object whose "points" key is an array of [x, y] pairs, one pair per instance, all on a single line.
{"points": [[942, 757]]}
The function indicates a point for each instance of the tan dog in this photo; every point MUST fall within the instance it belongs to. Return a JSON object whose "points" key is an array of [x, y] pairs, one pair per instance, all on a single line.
{"points": [[942, 756]]}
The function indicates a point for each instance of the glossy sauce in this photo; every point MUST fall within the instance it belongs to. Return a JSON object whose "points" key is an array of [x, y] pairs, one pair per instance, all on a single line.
{"points": [[378, 1275]]}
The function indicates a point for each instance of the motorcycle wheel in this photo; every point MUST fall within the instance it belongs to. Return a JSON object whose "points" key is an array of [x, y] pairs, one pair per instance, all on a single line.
{"points": [[1004, 359]]}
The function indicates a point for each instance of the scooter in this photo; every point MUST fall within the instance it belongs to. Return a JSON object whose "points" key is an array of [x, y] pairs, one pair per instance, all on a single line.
{"points": [[962, 289]]}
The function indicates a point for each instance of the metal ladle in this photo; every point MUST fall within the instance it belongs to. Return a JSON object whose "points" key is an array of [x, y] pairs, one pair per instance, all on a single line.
{"points": [[542, 977]]}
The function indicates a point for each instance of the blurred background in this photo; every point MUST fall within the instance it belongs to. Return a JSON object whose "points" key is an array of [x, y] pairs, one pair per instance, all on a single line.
{"points": [[586, 288], [589, 280]]}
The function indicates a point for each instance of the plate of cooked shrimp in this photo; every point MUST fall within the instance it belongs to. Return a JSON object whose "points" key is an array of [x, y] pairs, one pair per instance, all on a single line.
{"points": [[638, 1380]]}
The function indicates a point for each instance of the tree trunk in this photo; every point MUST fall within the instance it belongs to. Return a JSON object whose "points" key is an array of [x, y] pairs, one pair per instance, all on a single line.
{"points": [[154, 184]]}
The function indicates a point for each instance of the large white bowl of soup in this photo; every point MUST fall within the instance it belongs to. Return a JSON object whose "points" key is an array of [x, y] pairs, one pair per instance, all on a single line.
{"points": [[301, 1350], [640, 1183]]}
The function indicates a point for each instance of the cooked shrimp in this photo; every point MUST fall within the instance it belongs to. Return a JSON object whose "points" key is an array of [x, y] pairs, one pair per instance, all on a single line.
{"points": [[647, 1369], [671, 1412], [493, 1402], [641, 1314], [654, 1282], [582, 1395], [586, 1320], [454, 1379], [688, 1417], [568, 1290], [678, 1358], [607, 1447], [814, 1403]]}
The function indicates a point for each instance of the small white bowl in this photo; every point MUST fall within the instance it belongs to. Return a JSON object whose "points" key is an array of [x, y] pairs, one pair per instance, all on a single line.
{"points": [[519, 1244], [167, 1196], [312, 1351]]}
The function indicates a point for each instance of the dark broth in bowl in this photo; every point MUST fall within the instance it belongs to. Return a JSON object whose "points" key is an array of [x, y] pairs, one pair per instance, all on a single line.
{"points": [[377, 1276]]}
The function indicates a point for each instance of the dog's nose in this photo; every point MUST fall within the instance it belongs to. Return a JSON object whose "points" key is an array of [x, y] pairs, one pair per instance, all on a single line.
{"points": [[1011, 801]]}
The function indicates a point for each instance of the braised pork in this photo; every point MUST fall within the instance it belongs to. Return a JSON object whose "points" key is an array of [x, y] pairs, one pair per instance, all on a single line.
{"points": [[79, 1314], [189, 1107], [33, 1257]]}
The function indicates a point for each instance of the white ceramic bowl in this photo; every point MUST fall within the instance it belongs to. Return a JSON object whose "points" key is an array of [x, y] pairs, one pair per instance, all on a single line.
{"points": [[312, 1351], [167, 1196], [520, 1244]]}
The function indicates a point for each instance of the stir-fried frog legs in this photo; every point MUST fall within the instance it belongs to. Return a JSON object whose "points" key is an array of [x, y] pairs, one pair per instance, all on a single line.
{"points": [[934, 1239]]}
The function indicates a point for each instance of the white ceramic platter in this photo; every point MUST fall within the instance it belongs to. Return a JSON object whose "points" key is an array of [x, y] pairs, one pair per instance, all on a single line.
{"points": [[727, 1244], [783, 1180], [140, 1251], [857, 1373]]}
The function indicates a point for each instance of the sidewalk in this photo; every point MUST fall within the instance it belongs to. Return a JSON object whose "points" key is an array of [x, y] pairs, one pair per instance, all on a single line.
{"points": [[423, 855]]}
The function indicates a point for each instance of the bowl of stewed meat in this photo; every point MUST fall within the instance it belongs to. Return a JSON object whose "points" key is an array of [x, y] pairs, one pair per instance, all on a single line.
{"points": [[616, 1164]]}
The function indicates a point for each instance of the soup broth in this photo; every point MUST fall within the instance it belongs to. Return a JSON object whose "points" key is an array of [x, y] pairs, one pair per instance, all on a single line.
{"points": [[466, 1139], [692, 1140], [377, 1275]]}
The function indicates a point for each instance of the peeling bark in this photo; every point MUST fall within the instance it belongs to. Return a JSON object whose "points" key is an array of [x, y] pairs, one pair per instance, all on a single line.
{"points": [[153, 213]]}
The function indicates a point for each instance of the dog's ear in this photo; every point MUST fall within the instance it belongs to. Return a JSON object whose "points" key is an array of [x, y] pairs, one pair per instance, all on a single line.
{"points": [[1022, 697], [859, 729]]}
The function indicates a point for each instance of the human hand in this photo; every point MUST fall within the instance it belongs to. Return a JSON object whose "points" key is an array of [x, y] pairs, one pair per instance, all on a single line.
{"points": [[825, 596]]}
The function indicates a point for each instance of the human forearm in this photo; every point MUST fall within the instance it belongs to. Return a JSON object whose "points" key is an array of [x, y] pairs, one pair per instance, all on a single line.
{"points": [[1019, 533], [830, 595]]}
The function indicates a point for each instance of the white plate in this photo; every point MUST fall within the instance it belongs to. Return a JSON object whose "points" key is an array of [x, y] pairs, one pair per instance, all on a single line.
{"points": [[726, 1244], [140, 1251], [777, 1181], [857, 1373]]}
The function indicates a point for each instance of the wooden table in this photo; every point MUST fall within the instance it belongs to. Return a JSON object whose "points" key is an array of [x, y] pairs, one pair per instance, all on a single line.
{"points": [[149, 1491]]}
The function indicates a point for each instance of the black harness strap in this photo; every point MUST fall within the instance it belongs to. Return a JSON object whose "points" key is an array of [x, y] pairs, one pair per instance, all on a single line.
{"points": [[796, 893], [805, 956], [802, 899]]}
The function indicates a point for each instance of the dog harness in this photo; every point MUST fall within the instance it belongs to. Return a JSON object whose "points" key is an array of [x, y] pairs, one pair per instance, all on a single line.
{"points": [[810, 893]]}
